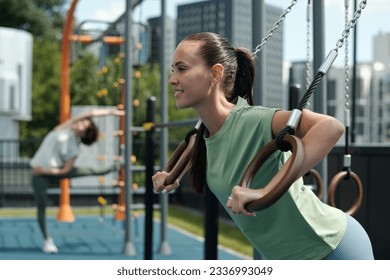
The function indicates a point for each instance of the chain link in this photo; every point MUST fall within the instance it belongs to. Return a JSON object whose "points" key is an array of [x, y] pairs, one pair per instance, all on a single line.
{"points": [[276, 26], [308, 48], [339, 43], [351, 24], [308, 44], [346, 58]]}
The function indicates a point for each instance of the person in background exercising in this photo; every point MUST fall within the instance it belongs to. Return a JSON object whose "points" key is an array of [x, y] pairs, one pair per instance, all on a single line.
{"points": [[55, 159], [216, 80]]}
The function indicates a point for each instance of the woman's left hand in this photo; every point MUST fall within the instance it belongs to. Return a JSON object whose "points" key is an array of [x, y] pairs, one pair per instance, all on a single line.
{"points": [[239, 197], [159, 182]]}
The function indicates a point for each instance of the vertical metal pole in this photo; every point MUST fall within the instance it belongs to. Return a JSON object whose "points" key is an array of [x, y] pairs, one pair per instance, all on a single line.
{"points": [[320, 97], [149, 162], [128, 249], [164, 247], [65, 213], [260, 85], [258, 33]]}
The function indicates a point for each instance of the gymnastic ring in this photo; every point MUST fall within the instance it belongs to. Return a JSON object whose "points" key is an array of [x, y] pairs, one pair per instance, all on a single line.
{"points": [[282, 180], [179, 160], [317, 177], [334, 184]]}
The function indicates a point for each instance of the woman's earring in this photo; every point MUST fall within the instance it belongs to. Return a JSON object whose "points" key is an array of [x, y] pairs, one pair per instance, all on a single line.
{"points": [[212, 85]]}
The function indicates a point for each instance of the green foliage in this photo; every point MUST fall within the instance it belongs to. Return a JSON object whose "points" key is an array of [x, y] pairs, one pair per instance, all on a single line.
{"points": [[39, 17], [146, 84], [229, 235], [83, 81], [89, 84], [178, 134], [110, 81]]}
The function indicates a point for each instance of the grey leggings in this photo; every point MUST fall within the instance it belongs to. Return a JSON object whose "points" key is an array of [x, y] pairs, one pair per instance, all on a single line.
{"points": [[355, 244], [41, 183]]}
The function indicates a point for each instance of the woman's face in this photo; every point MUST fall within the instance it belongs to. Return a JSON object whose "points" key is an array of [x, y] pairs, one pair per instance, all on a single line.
{"points": [[81, 126], [190, 77]]}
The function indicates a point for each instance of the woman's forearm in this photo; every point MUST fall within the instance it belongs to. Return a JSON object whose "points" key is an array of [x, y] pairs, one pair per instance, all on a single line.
{"points": [[319, 141]]}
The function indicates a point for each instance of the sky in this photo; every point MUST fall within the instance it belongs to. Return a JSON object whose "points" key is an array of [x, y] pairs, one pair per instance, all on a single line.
{"points": [[373, 21]]}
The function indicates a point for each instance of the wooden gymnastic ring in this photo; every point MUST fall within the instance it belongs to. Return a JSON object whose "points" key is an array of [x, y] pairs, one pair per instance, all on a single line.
{"points": [[282, 180], [175, 156], [317, 177], [179, 160], [335, 183]]}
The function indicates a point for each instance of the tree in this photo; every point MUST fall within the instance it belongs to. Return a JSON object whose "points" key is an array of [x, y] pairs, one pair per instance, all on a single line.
{"points": [[89, 84], [39, 17], [83, 80]]}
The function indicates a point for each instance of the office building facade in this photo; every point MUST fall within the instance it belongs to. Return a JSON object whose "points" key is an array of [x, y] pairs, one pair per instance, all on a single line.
{"points": [[233, 20]]}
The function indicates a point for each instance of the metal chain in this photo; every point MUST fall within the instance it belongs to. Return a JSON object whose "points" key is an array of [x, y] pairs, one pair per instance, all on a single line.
{"points": [[293, 122], [346, 58], [276, 26], [308, 43], [351, 24], [347, 121]]}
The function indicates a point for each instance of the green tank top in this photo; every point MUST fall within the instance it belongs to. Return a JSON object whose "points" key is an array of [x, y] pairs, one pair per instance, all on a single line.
{"points": [[297, 226]]}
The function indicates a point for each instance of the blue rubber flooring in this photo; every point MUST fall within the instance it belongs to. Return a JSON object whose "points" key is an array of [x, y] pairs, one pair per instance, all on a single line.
{"points": [[90, 239]]}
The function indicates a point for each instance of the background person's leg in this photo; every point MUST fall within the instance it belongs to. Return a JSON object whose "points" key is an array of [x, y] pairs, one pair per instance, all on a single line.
{"points": [[40, 185]]}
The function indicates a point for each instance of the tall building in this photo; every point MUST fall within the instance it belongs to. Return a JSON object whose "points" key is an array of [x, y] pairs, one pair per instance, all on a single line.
{"points": [[275, 90], [169, 43], [370, 102], [381, 49], [379, 97], [233, 20]]}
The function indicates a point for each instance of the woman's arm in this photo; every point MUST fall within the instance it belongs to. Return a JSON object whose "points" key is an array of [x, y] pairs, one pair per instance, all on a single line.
{"points": [[318, 133], [160, 177], [64, 170], [89, 114]]}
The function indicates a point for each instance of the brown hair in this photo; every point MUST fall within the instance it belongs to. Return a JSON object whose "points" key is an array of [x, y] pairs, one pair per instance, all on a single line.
{"points": [[239, 74], [91, 133]]}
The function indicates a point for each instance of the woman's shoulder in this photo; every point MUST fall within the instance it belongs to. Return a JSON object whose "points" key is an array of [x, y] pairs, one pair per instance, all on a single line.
{"points": [[243, 108]]}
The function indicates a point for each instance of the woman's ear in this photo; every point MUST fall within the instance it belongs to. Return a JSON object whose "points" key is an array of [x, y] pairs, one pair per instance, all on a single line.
{"points": [[217, 72]]}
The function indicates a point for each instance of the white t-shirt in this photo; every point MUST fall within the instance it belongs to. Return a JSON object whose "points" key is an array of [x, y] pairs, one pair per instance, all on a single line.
{"points": [[57, 147]]}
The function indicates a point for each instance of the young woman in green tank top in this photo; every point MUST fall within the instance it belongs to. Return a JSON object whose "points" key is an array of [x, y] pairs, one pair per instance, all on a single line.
{"points": [[216, 80]]}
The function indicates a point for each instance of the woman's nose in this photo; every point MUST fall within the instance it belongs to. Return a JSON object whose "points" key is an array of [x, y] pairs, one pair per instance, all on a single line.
{"points": [[172, 80]]}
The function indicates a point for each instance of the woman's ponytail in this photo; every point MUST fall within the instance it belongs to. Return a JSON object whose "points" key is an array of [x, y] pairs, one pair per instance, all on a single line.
{"points": [[198, 162], [245, 75]]}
